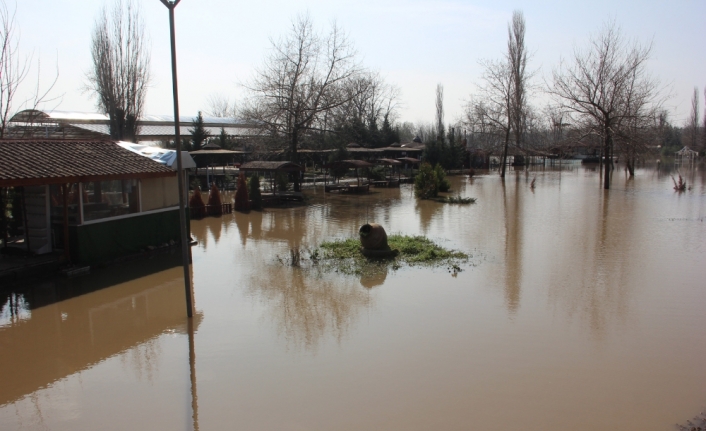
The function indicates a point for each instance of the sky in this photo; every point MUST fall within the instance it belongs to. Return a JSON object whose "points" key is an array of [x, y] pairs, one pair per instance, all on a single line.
{"points": [[414, 45]]}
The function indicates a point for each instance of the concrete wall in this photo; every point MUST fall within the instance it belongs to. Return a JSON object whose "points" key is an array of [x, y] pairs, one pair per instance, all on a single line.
{"points": [[159, 193]]}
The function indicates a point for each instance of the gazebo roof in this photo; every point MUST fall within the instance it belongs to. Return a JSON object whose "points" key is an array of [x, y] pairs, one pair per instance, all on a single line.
{"points": [[686, 151], [350, 164], [216, 152], [409, 160], [266, 166], [388, 162]]}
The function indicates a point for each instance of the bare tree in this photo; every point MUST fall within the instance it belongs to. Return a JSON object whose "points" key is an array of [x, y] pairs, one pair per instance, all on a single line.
{"points": [[370, 99], [703, 126], [607, 88], [693, 121], [220, 106], [371, 108], [439, 113], [494, 104], [121, 67], [14, 69], [481, 136], [517, 62], [300, 83], [501, 103]]}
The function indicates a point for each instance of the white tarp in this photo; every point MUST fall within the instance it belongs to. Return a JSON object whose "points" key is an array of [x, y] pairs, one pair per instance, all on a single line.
{"points": [[160, 155]]}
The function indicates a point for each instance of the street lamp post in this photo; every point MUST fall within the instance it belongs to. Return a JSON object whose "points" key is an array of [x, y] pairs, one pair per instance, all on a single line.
{"points": [[171, 4]]}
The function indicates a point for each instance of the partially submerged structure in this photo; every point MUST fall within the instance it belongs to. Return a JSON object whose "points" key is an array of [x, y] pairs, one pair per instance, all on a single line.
{"points": [[685, 156], [338, 168], [94, 200], [271, 170]]}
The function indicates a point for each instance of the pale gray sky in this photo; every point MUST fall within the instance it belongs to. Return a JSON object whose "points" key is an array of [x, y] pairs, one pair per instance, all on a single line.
{"points": [[413, 44]]}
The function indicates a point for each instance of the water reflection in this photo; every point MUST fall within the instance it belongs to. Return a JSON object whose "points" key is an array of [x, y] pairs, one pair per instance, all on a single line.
{"points": [[14, 309], [427, 211], [584, 299], [306, 307], [594, 269], [72, 325], [512, 209], [374, 279]]}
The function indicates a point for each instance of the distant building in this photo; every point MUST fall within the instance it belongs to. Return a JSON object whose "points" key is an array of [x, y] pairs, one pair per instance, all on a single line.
{"points": [[36, 124]]}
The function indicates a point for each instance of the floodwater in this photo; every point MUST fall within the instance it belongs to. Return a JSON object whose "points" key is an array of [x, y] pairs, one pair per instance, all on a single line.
{"points": [[580, 309]]}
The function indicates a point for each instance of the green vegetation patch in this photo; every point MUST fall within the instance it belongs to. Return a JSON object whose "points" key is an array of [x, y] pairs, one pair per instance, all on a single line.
{"points": [[345, 256]]}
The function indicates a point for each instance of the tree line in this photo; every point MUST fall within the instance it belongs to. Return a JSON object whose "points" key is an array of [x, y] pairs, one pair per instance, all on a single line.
{"points": [[312, 91]]}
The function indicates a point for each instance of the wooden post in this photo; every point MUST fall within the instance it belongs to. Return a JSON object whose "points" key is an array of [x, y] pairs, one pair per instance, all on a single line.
{"points": [[3, 217], [65, 190], [24, 219], [183, 228]]}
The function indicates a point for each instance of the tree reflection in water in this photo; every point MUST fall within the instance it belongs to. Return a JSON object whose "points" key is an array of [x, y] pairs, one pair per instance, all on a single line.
{"points": [[427, 211], [307, 308], [513, 245]]}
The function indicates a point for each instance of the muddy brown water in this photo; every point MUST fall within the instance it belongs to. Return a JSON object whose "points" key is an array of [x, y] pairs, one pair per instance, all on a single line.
{"points": [[580, 309]]}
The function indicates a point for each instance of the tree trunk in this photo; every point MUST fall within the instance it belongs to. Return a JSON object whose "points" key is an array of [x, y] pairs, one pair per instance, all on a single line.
{"points": [[504, 161], [608, 159], [295, 159], [630, 165]]}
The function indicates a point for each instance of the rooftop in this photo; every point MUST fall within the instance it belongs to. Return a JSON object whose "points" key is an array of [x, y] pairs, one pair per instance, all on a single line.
{"points": [[36, 162]]}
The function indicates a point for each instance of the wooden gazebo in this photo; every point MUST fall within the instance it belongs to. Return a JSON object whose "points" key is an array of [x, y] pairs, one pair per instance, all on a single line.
{"points": [[272, 168], [349, 188], [685, 156], [390, 180]]}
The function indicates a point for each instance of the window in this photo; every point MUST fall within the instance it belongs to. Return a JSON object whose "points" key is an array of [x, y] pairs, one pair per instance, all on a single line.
{"points": [[103, 199]]}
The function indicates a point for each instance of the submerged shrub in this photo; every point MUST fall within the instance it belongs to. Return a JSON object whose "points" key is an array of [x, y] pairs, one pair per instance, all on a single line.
{"points": [[196, 200], [430, 181], [679, 186], [255, 194], [215, 206], [241, 201], [426, 184], [444, 184]]}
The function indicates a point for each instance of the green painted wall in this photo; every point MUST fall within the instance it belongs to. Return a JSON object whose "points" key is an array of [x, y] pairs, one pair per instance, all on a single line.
{"points": [[100, 242]]}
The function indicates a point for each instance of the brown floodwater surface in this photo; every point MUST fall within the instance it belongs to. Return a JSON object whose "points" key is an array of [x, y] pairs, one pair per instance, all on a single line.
{"points": [[579, 309]]}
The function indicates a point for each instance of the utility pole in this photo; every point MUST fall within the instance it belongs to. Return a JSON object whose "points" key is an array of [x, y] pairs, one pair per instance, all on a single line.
{"points": [[185, 243]]}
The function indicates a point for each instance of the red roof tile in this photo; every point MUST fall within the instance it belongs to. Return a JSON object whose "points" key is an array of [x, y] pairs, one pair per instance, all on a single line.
{"points": [[32, 162]]}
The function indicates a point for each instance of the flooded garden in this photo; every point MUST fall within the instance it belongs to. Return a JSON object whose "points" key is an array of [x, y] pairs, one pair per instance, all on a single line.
{"points": [[576, 308]]}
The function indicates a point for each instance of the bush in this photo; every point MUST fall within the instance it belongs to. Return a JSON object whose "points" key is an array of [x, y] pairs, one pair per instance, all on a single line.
{"points": [[430, 181], [215, 206], [254, 189], [426, 184], [196, 200], [242, 201], [444, 184]]}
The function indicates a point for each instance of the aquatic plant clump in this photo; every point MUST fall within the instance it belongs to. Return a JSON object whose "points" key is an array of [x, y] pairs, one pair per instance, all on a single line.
{"points": [[455, 200], [345, 255], [679, 186]]}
